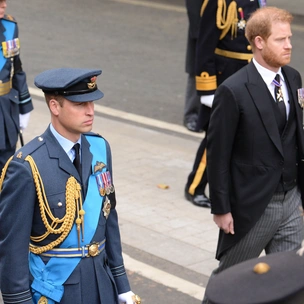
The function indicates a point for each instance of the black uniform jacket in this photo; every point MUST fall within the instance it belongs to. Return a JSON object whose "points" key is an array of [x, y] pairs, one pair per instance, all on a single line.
{"points": [[212, 69], [245, 157], [193, 12]]}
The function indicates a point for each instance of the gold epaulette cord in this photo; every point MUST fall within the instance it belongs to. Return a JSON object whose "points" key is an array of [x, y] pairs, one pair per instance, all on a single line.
{"points": [[203, 7], [53, 224], [227, 19], [4, 171]]}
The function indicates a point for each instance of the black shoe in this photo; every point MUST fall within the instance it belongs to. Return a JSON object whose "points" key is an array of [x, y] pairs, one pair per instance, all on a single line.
{"points": [[200, 200], [191, 125]]}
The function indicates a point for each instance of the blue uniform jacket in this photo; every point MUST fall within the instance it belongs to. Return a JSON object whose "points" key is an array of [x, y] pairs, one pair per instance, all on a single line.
{"points": [[96, 279], [18, 100]]}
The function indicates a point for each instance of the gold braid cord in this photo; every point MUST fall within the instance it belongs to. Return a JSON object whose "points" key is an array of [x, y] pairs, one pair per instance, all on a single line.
{"points": [[203, 7], [53, 224], [4, 172], [227, 19]]}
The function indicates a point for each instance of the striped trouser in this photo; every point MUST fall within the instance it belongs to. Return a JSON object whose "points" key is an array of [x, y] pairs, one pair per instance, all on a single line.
{"points": [[280, 228]]}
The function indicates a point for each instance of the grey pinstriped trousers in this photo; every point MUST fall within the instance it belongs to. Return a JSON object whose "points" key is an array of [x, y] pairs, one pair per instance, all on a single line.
{"points": [[280, 228]]}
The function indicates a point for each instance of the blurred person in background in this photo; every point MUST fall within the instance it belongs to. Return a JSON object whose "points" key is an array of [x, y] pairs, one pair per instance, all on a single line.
{"points": [[222, 49], [15, 100]]}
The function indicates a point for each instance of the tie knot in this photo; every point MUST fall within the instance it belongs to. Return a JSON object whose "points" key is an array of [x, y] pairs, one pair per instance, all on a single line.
{"points": [[76, 147], [278, 78]]}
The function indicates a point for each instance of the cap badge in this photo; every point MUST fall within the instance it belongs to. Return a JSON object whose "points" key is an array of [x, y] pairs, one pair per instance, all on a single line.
{"points": [[92, 84]]}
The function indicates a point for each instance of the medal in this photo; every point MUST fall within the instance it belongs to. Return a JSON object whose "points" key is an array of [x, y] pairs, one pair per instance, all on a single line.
{"points": [[279, 96], [11, 48], [100, 184], [109, 179], [301, 102], [262, 3], [106, 183], [242, 23], [106, 207]]}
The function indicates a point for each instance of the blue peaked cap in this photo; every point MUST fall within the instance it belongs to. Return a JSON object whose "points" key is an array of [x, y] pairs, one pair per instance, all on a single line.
{"points": [[78, 85]]}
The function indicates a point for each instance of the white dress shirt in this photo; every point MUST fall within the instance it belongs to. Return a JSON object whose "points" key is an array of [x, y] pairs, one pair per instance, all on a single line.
{"points": [[268, 76]]}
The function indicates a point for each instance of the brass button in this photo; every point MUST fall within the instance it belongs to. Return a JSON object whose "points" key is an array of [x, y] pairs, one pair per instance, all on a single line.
{"points": [[43, 300], [261, 268], [93, 250], [249, 48]]}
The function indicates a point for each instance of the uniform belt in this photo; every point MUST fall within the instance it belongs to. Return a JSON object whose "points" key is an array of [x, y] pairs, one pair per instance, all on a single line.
{"points": [[5, 88], [90, 250], [234, 55]]}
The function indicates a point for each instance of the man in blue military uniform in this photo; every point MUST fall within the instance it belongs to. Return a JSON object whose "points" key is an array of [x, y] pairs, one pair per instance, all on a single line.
{"points": [[222, 49], [15, 100], [58, 203]]}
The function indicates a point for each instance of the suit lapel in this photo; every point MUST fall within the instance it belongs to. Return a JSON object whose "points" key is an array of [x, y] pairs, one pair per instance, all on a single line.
{"points": [[65, 164], [294, 84], [291, 83], [56, 151], [260, 96]]}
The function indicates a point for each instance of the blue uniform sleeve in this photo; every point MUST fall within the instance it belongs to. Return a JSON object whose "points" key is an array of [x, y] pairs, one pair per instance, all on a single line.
{"points": [[20, 84], [17, 200], [113, 241]]}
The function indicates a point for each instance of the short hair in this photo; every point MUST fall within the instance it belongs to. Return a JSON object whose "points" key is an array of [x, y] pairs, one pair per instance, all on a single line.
{"points": [[260, 22], [48, 97]]}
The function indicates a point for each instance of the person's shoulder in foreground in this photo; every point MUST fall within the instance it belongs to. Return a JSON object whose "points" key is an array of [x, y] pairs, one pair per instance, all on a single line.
{"points": [[273, 279]]}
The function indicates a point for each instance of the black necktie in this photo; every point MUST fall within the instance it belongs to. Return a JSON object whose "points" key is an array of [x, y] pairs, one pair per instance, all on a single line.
{"points": [[76, 161], [278, 93]]}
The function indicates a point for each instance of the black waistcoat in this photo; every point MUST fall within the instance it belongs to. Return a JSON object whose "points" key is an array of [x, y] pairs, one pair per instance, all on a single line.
{"points": [[289, 143]]}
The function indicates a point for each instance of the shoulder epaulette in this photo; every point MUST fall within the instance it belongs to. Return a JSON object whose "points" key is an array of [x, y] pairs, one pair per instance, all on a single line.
{"points": [[29, 148], [10, 18]]}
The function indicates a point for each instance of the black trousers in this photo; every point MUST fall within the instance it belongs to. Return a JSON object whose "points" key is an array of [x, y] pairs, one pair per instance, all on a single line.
{"points": [[197, 179]]}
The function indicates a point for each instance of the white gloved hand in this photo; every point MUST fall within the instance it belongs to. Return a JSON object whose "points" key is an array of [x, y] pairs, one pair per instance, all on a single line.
{"points": [[126, 298], [207, 100], [23, 120]]}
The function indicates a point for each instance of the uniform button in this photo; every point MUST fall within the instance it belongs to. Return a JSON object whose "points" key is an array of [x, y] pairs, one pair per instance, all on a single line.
{"points": [[297, 164], [59, 204], [249, 48], [281, 162]]}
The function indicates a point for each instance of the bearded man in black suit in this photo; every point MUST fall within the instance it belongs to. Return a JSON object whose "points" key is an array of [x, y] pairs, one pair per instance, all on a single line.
{"points": [[255, 148]]}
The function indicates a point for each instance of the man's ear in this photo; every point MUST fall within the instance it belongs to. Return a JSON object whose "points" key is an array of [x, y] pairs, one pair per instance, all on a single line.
{"points": [[259, 42], [54, 106]]}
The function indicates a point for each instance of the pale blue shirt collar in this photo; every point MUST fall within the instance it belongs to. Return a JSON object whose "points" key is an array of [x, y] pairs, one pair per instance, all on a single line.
{"points": [[65, 143]]}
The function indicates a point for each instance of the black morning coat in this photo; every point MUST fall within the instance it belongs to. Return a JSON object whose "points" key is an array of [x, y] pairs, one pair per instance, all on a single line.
{"points": [[245, 155]]}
